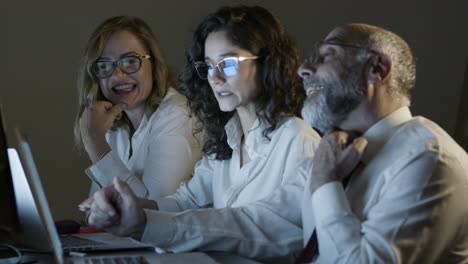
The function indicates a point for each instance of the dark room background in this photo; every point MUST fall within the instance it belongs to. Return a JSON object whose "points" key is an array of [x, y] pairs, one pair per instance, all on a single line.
{"points": [[41, 43]]}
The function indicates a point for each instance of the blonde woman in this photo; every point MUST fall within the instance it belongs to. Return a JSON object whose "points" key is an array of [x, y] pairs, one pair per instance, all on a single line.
{"points": [[132, 122]]}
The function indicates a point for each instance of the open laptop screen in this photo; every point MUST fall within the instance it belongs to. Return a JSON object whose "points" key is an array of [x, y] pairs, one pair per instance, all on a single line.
{"points": [[37, 210], [9, 220]]}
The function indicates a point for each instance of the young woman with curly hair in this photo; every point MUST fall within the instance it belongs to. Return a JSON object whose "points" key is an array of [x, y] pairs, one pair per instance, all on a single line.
{"points": [[241, 83]]}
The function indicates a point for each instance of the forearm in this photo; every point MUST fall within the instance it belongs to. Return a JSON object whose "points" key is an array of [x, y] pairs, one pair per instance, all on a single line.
{"points": [[140, 229], [342, 237], [167, 166], [413, 221], [193, 194], [110, 166], [249, 232], [184, 199], [96, 148]]}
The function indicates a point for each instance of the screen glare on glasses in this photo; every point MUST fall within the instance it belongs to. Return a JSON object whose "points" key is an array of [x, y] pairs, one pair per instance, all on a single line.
{"points": [[129, 64], [227, 66]]}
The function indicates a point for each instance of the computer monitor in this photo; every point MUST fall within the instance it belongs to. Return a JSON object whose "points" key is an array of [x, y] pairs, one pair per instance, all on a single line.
{"points": [[9, 221]]}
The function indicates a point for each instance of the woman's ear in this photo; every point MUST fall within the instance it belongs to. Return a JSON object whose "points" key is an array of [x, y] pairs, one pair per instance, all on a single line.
{"points": [[379, 69]]}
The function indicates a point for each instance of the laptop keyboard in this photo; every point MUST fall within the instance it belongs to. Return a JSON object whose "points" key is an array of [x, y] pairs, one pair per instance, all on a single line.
{"points": [[118, 260], [115, 260], [78, 243]]}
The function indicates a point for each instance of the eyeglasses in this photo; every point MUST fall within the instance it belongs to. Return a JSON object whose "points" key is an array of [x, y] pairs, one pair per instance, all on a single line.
{"points": [[315, 55], [227, 66], [129, 64]]}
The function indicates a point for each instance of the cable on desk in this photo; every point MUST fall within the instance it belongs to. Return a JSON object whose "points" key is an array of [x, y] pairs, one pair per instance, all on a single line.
{"points": [[19, 255]]}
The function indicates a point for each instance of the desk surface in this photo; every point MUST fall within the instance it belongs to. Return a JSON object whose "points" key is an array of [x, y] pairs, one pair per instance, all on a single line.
{"points": [[151, 257]]}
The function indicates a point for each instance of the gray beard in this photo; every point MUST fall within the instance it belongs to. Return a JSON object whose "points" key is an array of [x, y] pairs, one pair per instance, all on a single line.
{"points": [[337, 100]]}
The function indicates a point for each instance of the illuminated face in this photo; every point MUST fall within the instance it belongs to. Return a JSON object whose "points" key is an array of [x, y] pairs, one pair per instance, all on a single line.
{"points": [[334, 83], [131, 89], [234, 82]]}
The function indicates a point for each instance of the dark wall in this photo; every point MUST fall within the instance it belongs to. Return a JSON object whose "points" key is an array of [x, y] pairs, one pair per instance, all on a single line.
{"points": [[461, 131], [41, 43]]}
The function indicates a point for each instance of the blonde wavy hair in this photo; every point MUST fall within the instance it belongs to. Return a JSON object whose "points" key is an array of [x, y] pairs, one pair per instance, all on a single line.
{"points": [[88, 85]]}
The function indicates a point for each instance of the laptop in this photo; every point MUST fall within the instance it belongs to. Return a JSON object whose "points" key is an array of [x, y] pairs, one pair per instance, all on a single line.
{"points": [[38, 228]]}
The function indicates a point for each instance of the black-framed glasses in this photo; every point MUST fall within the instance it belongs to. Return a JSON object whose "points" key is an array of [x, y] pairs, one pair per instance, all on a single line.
{"points": [[129, 64], [316, 55], [227, 66]]}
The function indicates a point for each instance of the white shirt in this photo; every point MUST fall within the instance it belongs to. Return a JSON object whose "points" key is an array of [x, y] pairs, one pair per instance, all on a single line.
{"points": [[407, 204], [252, 211], [164, 152]]}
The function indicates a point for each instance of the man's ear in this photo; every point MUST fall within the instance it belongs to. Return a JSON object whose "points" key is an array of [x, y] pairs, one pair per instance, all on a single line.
{"points": [[379, 68]]}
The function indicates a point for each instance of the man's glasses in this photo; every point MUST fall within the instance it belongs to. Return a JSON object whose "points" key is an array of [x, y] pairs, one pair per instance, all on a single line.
{"points": [[227, 66], [317, 54], [129, 64]]}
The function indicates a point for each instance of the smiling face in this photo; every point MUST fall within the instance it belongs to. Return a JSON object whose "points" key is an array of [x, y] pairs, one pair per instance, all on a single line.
{"points": [[334, 83], [239, 90], [130, 89]]}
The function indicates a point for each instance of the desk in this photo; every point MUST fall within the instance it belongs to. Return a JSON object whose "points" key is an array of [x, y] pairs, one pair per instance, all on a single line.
{"points": [[151, 256], [180, 258]]}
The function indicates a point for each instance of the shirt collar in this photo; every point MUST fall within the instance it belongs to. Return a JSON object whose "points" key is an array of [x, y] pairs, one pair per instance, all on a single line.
{"points": [[255, 143], [378, 134], [234, 131], [143, 125]]}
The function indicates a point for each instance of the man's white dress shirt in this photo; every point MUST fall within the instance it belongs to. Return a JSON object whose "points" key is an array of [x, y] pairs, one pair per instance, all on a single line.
{"points": [[408, 203]]}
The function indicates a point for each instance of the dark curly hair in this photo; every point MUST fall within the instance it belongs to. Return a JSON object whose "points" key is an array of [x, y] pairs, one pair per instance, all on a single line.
{"points": [[255, 29]]}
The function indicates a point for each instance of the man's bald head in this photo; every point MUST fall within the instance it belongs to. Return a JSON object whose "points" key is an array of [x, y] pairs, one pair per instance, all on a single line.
{"points": [[403, 74]]}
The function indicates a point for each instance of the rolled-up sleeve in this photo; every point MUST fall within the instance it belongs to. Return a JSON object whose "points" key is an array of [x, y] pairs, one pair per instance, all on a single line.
{"points": [[264, 228], [171, 153], [259, 228]]}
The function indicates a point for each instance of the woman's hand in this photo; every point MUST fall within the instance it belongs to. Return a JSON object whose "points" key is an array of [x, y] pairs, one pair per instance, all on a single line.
{"points": [[116, 209], [85, 206], [95, 121]]}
